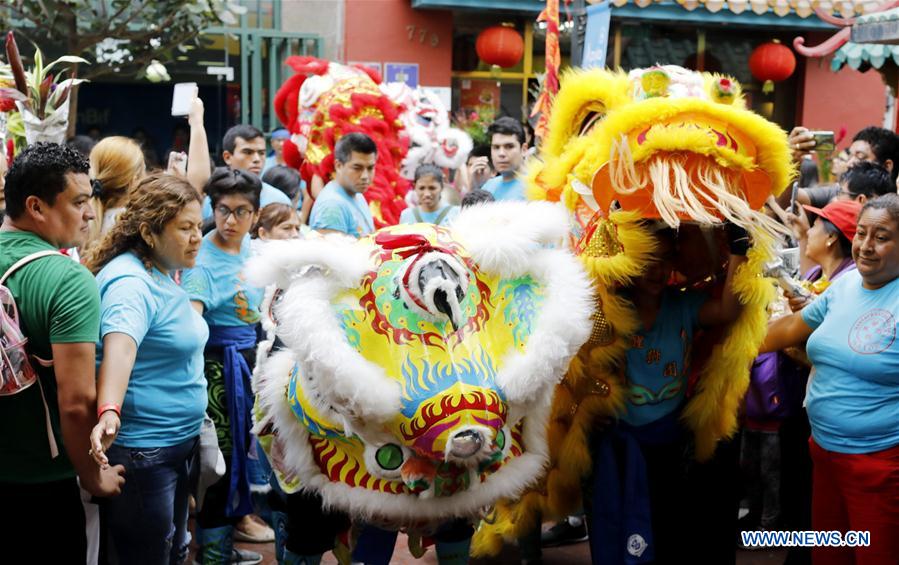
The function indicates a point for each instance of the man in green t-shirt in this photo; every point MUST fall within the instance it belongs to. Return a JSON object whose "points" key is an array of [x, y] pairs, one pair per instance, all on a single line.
{"points": [[48, 207]]}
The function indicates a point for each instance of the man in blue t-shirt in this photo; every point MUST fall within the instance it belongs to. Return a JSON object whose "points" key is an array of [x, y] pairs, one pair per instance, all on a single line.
{"points": [[507, 151], [341, 206], [244, 148]]}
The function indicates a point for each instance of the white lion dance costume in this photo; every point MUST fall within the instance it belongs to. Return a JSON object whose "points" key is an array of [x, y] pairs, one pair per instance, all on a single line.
{"points": [[411, 379], [432, 140]]}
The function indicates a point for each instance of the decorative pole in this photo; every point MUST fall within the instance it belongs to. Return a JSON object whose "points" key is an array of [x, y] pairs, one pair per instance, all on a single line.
{"points": [[543, 106]]}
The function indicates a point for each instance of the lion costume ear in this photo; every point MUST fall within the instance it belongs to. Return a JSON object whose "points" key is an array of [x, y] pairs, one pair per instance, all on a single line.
{"points": [[502, 238], [339, 258]]}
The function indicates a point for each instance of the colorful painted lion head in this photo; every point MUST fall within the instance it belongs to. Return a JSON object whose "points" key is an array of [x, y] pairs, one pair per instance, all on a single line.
{"points": [[326, 100], [414, 367]]}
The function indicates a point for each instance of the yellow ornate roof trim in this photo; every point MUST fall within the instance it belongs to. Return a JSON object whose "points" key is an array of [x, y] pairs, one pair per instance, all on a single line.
{"points": [[801, 8]]}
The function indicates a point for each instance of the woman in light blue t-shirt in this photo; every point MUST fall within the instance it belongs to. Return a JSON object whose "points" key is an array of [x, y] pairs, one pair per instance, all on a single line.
{"points": [[853, 400], [151, 392], [428, 191]]}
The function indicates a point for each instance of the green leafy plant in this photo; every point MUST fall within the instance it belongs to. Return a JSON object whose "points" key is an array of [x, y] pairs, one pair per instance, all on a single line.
{"points": [[38, 89]]}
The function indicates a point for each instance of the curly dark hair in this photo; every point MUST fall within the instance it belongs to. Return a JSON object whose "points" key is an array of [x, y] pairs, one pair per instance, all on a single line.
{"points": [[870, 179], [155, 202], [40, 170], [885, 145]]}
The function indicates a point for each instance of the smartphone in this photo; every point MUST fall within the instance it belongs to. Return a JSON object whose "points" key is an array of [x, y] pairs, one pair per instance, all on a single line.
{"points": [[824, 141], [182, 96], [177, 162], [794, 206]]}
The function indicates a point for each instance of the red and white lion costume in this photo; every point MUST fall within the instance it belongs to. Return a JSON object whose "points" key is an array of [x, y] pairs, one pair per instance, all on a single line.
{"points": [[324, 101]]}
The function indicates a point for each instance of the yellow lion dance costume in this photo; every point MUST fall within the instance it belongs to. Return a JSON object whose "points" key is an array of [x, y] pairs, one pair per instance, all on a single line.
{"points": [[659, 143]]}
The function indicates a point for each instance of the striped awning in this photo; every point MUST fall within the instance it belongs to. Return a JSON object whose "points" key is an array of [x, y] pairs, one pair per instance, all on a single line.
{"points": [[861, 56], [801, 8]]}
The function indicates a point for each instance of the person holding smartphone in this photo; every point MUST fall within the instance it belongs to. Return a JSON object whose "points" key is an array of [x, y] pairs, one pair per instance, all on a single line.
{"points": [[873, 144]]}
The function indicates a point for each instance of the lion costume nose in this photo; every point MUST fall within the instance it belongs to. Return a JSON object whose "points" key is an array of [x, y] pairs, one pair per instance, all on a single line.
{"points": [[466, 443]]}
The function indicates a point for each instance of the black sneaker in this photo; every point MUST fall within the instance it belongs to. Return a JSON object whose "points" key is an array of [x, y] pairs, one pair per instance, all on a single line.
{"points": [[572, 529]]}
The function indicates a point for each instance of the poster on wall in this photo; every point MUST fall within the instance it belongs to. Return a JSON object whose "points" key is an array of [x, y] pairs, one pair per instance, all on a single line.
{"points": [[596, 37], [402, 72], [478, 93]]}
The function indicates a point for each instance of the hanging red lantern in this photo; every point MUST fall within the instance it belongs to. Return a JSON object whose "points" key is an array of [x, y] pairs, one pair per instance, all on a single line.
{"points": [[500, 45], [772, 62]]}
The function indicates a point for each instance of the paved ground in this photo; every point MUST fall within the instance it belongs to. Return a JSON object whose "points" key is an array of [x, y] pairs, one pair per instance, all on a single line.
{"points": [[578, 554]]}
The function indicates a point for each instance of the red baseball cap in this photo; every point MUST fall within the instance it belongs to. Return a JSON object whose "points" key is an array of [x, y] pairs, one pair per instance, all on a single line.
{"points": [[841, 213]]}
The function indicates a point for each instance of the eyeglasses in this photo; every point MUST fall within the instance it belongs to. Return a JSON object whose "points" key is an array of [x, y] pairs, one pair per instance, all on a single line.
{"points": [[241, 213], [846, 193]]}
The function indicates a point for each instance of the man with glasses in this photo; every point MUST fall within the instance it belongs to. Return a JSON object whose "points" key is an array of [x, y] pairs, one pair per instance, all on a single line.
{"points": [[863, 181], [244, 149], [341, 206]]}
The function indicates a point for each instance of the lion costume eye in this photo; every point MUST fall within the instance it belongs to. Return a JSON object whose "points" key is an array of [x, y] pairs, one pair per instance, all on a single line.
{"points": [[503, 440], [385, 461], [389, 457]]}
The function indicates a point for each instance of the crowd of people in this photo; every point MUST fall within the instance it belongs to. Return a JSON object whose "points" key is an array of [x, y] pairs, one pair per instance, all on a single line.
{"points": [[143, 333]]}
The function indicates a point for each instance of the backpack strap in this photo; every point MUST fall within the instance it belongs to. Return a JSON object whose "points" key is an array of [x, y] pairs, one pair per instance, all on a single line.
{"points": [[54, 447], [417, 214], [25, 260], [442, 215]]}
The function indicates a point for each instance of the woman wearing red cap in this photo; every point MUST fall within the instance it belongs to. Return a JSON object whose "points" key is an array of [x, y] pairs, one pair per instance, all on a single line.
{"points": [[853, 400], [829, 245]]}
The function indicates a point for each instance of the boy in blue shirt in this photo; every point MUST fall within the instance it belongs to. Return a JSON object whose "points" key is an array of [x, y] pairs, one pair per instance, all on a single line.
{"points": [[507, 151], [341, 206]]}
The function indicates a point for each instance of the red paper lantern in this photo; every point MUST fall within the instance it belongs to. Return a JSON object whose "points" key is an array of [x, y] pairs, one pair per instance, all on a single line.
{"points": [[772, 62], [500, 45]]}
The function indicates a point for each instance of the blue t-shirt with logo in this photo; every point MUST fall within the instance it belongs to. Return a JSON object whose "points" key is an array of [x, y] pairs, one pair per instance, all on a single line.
{"points": [[853, 400], [335, 209], [503, 189], [166, 396], [268, 195], [407, 216], [218, 282], [658, 361]]}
